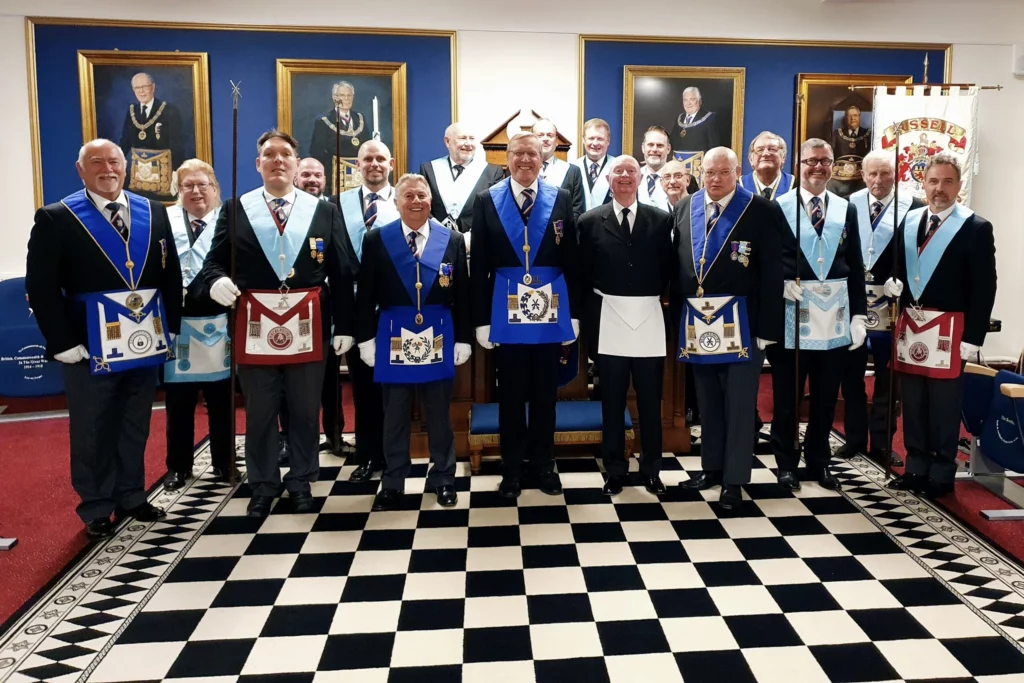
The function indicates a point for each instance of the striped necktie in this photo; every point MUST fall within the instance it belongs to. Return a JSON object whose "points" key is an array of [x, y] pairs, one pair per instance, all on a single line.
{"points": [[593, 172], [117, 220], [282, 218], [876, 209], [527, 205], [715, 215], [412, 241], [198, 225], [766, 192], [652, 180], [817, 215], [370, 215]]}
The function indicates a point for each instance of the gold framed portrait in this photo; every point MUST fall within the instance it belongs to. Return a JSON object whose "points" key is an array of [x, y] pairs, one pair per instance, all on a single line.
{"points": [[699, 108], [154, 105], [332, 106]]}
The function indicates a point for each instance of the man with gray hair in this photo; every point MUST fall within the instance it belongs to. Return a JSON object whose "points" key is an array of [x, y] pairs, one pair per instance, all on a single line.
{"points": [[824, 288], [767, 154], [413, 325], [626, 263], [657, 151], [152, 140], [877, 216], [946, 254], [730, 280], [526, 301], [341, 120], [104, 281], [695, 129], [456, 178]]}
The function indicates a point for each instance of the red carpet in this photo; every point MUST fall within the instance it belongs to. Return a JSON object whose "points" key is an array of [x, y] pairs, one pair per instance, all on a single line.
{"points": [[37, 503]]}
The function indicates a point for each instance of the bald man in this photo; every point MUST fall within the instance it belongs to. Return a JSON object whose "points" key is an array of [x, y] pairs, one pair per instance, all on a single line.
{"points": [[555, 171], [152, 141], [626, 262], [457, 178]]}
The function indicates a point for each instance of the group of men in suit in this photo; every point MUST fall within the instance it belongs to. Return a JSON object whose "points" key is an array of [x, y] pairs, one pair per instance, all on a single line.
{"points": [[121, 287]]}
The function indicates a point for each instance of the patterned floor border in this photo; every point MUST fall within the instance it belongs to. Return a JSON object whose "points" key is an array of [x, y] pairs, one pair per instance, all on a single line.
{"points": [[85, 612]]}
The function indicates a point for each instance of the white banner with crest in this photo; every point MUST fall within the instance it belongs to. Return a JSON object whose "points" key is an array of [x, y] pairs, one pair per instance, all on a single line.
{"points": [[922, 124]]}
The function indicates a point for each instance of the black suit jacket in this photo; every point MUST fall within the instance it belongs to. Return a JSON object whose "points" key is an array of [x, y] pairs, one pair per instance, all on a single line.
{"points": [[573, 182], [617, 263], [254, 271], [699, 136], [63, 261], [171, 133], [964, 279], [490, 175], [848, 264], [492, 250], [381, 286], [762, 225], [324, 143]]}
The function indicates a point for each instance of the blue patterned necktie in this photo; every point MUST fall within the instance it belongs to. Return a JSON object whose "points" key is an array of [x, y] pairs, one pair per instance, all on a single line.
{"points": [[715, 215], [876, 209], [527, 203], [198, 225], [652, 180], [593, 172], [282, 218], [117, 220], [412, 241], [370, 215], [817, 215]]}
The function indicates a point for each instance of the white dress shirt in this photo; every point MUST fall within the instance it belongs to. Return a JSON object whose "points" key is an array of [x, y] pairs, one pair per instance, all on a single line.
{"points": [[618, 208], [517, 191], [722, 203], [383, 195], [943, 215], [806, 196], [774, 185], [422, 235], [101, 204]]}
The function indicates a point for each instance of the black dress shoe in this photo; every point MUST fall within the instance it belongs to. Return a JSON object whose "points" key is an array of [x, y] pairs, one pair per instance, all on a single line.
{"points": [[387, 499], [550, 483], [877, 455], [934, 489], [788, 480], [915, 483], [346, 449], [259, 507], [653, 484], [509, 487], [219, 473], [146, 512], [363, 472], [175, 480], [827, 480], [731, 497], [614, 484], [446, 496], [326, 445], [848, 450], [302, 502], [702, 481], [99, 528]]}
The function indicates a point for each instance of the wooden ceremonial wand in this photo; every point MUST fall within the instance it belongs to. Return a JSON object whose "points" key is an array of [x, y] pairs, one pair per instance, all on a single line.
{"points": [[339, 410], [233, 236], [894, 307], [796, 304]]}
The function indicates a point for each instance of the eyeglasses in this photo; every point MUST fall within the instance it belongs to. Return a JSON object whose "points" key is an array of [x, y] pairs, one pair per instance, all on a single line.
{"points": [[189, 187], [773, 150], [817, 162], [717, 174], [675, 176]]}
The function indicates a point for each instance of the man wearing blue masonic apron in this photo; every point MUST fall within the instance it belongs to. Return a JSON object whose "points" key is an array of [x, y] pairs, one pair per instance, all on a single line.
{"points": [[202, 353], [832, 314], [525, 289], [730, 278], [288, 244], [946, 254], [876, 213], [103, 279], [412, 313], [362, 210]]}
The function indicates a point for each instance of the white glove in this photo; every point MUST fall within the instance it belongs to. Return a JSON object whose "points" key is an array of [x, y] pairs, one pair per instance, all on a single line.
{"points": [[792, 291], [858, 331], [72, 355], [368, 352], [342, 344], [483, 336], [763, 344], [969, 352], [893, 288], [462, 353], [172, 336], [224, 291], [575, 332]]}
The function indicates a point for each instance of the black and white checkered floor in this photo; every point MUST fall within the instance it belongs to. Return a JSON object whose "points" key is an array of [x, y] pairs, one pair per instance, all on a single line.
{"points": [[863, 586]]}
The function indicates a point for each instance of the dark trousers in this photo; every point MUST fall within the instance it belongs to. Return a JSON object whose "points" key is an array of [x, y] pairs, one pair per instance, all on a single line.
{"points": [[727, 393], [263, 386], [527, 373], [615, 372], [824, 369], [328, 399], [855, 418], [369, 406], [437, 399], [181, 423], [108, 419], [931, 425]]}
